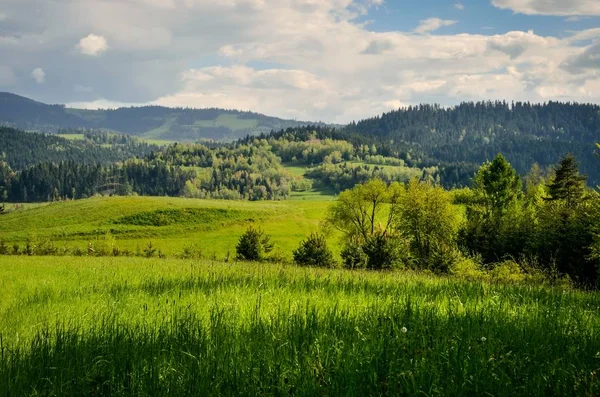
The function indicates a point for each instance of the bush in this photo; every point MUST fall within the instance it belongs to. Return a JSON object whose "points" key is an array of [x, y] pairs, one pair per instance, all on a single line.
{"points": [[353, 256], [468, 268], [314, 252], [507, 272], [382, 252], [3, 247], [190, 252], [253, 245]]}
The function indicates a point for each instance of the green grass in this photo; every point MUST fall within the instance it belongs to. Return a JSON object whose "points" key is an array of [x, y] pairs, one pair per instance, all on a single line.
{"points": [[157, 133], [296, 170], [130, 326], [230, 121], [72, 137], [170, 223]]}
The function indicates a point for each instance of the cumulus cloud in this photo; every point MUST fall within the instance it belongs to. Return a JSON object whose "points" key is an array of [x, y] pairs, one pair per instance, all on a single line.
{"points": [[459, 6], [38, 75], [433, 24], [551, 7], [92, 45], [303, 59]]}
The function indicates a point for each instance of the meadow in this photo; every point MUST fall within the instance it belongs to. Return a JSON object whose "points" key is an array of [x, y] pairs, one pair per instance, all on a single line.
{"points": [[134, 326], [170, 224]]}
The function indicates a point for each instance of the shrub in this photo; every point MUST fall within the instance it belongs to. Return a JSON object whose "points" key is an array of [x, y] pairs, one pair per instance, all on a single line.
{"points": [[313, 252], [508, 272], [353, 256], [467, 267], [3, 247], [190, 252], [253, 245], [150, 251], [382, 252]]}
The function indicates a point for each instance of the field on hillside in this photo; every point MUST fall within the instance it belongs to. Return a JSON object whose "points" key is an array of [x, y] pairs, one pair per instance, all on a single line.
{"points": [[131, 326], [170, 224]]}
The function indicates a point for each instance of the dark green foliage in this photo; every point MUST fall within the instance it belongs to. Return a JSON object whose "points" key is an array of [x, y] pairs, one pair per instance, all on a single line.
{"points": [[3, 247], [353, 256], [179, 216], [556, 224], [345, 176], [253, 245], [493, 221], [382, 252], [22, 149], [314, 252], [568, 184]]}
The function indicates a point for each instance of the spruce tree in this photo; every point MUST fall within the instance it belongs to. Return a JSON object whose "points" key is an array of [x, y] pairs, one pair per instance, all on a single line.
{"points": [[568, 184]]}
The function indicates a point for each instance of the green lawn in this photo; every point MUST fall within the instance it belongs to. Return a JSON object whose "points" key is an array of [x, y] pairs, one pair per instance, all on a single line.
{"points": [[131, 326]]}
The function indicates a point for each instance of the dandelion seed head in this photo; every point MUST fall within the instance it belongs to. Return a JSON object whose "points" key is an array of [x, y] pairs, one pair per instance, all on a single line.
{"points": [[404, 330], [483, 338]]}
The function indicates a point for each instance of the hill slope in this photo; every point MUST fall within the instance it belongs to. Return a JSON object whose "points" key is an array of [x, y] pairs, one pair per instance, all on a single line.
{"points": [[155, 122], [23, 149]]}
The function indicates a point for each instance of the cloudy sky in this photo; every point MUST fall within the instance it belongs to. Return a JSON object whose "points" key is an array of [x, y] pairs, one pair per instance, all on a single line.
{"points": [[329, 60]]}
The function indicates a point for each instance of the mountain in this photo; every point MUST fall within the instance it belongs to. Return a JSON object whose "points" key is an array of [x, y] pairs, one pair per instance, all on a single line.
{"points": [[22, 149], [466, 135], [153, 122]]}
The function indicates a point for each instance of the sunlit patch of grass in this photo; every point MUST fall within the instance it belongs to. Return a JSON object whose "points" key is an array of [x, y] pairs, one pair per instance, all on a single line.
{"points": [[130, 326]]}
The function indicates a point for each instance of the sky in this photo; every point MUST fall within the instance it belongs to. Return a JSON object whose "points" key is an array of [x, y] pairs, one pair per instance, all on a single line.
{"points": [[318, 60]]}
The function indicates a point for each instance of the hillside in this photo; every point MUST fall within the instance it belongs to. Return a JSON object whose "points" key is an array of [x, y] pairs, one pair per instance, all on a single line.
{"points": [[22, 149], [467, 135], [170, 223], [152, 122]]}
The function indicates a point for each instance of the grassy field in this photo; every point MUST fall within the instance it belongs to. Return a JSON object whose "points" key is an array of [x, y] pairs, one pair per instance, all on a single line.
{"points": [[131, 326], [169, 223]]}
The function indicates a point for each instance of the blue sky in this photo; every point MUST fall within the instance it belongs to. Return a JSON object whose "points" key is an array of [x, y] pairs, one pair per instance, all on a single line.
{"points": [[475, 17], [329, 60]]}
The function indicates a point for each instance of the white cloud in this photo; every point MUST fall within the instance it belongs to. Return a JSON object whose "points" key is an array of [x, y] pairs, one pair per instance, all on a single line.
{"points": [[433, 24], [551, 7], [304, 59], [38, 75], [92, 45], [459, 6]]}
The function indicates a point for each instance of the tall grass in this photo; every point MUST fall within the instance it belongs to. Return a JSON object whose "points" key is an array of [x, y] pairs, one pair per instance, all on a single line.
{"points": [[112, 326]]}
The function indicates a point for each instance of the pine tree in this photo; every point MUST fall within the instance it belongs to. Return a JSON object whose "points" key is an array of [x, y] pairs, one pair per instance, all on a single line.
{"points": [[568, 184]]}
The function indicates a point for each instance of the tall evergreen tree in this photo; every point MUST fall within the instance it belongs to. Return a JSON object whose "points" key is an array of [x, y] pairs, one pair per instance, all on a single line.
{"points": [[568, 184]]}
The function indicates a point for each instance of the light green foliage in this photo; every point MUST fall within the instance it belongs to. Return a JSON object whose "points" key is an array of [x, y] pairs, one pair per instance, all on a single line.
{"points": [[313, 151], [359, 212], [427, 219], [494, 219], [497, 186], [123, 326], [365, 216]]}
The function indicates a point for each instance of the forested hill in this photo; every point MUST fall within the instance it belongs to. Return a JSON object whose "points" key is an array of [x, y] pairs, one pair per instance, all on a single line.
{"points": [[155, 122], [472, 133], [22, 149]]}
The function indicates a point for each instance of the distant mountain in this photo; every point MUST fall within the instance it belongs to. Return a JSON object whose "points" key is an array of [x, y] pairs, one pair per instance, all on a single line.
{"points": [[153, 122]]}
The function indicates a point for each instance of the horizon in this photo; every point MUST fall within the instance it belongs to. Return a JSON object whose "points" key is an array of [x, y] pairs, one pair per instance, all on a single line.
{"points": [[406, 107], [332, 60]]}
